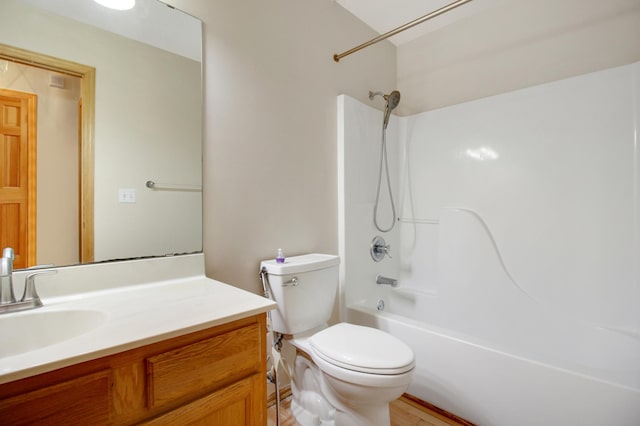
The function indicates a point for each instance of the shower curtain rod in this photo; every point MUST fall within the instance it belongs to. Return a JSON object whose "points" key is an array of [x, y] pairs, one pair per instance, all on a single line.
{"points": [[451, 6]]}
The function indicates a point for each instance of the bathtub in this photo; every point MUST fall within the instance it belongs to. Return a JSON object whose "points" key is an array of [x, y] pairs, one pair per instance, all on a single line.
{"points": [[489, 351], [492, 385], [517, 289]]}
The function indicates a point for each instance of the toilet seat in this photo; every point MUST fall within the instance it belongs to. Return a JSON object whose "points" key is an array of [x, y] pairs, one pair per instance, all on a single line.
{"points": [[358, 378], [362, 349]]}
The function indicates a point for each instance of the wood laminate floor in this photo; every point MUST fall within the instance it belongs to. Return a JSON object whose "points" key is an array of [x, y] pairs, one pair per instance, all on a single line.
{"points": [[404, 412]]}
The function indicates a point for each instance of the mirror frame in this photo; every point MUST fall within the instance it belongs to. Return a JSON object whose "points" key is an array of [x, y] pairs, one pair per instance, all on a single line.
{"points": [[86, 137]]}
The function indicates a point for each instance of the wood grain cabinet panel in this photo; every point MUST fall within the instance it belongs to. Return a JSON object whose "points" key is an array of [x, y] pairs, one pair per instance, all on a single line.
{"points": [[214, 377], [81, 401], [198, 368], [234, 405]]}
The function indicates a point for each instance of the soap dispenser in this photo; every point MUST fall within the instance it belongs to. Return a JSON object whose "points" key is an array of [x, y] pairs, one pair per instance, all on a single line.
{"points": [[280, 256]]}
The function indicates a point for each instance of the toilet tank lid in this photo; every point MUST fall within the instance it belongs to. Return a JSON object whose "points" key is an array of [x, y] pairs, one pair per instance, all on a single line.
{"points": [[303, 263]]}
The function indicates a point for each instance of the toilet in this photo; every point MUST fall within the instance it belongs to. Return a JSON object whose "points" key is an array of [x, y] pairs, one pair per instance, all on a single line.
{"points": [[343, 374]]}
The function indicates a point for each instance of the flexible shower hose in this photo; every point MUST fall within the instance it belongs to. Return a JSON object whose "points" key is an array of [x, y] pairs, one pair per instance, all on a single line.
{"points": [[383, 158]]}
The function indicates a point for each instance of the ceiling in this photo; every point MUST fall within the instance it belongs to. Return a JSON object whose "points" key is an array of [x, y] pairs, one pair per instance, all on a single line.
{"points": [[146, 22], [386, 15]]}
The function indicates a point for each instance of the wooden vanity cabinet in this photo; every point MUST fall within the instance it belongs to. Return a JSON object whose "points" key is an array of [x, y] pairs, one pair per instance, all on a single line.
{"points": [[211, 377]]}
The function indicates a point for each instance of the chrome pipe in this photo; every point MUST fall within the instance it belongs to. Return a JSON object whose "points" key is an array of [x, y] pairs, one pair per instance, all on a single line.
{"points": [[447, 8]]}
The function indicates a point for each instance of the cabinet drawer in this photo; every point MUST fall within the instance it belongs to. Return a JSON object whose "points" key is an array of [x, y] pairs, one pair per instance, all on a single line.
{"points": [[199, 368], [82, 401], [235, 405]]}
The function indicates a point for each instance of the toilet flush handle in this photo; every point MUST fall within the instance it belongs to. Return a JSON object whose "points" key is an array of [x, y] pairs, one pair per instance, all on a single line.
{"points": [[293, 282]]}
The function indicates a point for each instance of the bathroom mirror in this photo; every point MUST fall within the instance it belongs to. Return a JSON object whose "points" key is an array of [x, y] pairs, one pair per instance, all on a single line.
{"points": [[142, 123]]}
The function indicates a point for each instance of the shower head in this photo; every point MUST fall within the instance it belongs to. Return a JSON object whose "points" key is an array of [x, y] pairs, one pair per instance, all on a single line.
{"points": [[393, 99]]}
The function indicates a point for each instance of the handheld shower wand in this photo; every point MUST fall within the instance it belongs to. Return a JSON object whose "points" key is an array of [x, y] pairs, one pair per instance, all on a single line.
{"points": [[392, 101]]}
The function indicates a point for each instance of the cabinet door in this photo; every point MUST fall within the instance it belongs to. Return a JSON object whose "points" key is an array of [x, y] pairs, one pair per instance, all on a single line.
{"points": [[82, 401], [239, 404]]}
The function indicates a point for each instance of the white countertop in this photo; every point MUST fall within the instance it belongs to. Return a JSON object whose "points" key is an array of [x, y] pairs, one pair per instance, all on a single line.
{"points": [[134, 316]]}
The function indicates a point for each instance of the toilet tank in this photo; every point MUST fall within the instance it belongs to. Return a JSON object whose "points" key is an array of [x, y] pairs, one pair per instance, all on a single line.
{"points": [[305, 289]]}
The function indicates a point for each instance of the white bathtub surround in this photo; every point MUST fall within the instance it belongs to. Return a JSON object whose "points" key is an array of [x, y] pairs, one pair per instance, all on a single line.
{"points": [[519, 250], [127, 305], [507, 352], [359, 139]]}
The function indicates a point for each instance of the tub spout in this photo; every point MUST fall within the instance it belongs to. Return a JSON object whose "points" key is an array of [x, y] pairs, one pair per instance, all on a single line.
{"points": [[386, 280]]}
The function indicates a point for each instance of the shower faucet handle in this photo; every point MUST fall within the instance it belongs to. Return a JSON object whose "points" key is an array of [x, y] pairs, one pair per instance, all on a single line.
{"points": [[385, 249], [379, 248]]}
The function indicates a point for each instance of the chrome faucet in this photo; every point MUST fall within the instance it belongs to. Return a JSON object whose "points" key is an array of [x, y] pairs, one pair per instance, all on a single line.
{"points": [[386, 280], [6, 277], [30, 298]]}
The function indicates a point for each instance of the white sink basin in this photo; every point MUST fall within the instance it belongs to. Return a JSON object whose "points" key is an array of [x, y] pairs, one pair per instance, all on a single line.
{"points": [[27, 331]]}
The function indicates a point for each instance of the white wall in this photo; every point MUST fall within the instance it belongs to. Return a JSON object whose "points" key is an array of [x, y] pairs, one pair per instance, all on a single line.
{"points": [[516, 44], [270, 126], [156, 136], [270, 106]]}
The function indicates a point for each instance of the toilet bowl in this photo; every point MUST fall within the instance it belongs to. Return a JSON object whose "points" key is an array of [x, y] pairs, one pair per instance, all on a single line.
{"points": [[359, 371], [343, 374]]}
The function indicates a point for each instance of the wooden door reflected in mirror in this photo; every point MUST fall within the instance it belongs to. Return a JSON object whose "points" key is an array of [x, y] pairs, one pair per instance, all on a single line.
{"points": [[17, 162], [47, 164]]}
